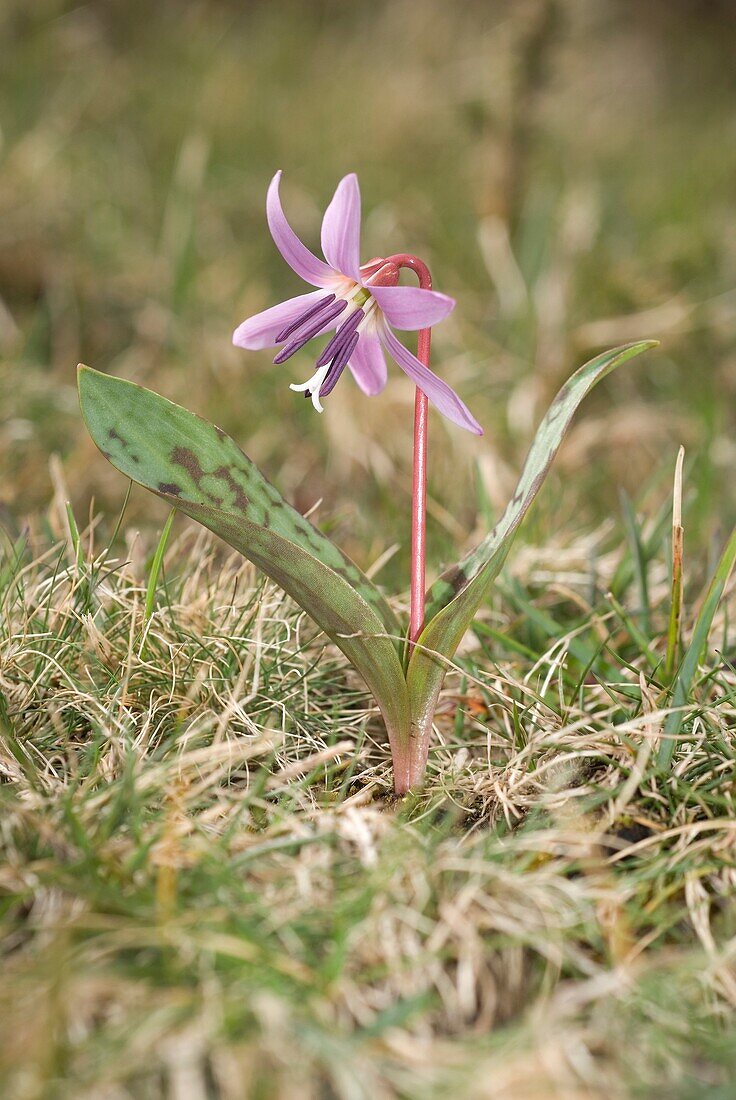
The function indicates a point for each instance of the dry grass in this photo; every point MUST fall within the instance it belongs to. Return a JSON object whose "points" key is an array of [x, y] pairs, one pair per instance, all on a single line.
{"points": [[208, 890]]}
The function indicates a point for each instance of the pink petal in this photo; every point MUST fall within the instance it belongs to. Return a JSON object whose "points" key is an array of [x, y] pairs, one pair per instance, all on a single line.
{"points": [[341, 228], [410, 307], [296, 254], [260, 330], [369, 365], [439, 393]]}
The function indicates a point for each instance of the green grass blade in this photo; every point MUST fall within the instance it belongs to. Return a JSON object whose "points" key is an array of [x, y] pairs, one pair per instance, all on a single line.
{"points": [[637, 634], [678, 549], [691, 660], [74, 535], [121, 515], [156, 565], [638, 558]]}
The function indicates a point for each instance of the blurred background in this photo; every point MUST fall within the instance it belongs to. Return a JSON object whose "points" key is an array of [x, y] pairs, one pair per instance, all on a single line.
{"points": [[566, 167]]}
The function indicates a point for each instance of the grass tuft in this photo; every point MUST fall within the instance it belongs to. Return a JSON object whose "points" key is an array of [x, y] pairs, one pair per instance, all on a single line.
{"points": [[207, 889]]}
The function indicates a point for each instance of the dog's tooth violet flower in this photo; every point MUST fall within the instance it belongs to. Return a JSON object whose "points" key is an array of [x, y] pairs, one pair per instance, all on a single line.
{"points": [[360, 303]]}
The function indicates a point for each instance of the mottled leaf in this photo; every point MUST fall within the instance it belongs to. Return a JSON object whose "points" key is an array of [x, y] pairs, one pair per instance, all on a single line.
{"points": [[201, 471], [455, 597]]}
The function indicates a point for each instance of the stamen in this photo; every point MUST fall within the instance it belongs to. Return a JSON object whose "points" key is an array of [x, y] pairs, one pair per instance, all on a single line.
{"points": [[338, 365], [306, 316], [341, 336], [317, 323]]}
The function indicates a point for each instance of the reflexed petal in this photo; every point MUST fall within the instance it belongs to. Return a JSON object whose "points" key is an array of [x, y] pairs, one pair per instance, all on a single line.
{"points": [[410, 307], [439, 393], [260, 330], [368, 365], [341, 228], [296, 254]]}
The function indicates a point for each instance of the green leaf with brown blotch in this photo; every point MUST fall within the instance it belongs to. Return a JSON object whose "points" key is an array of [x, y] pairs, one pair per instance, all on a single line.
{"points": [[201, 471], [455, 597], [184, 458]]}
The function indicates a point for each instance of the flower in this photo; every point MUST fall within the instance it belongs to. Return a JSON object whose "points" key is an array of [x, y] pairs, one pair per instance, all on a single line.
{"points": [[360, 302]]}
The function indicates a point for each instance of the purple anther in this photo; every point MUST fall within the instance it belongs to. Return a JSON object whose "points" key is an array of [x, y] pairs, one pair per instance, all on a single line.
{"points": [[317, 323], [306, 316], [341, 336], [338, 365]]}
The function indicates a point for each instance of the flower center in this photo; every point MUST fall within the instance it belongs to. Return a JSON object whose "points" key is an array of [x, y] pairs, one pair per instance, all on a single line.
{"points": [[338, 351]]}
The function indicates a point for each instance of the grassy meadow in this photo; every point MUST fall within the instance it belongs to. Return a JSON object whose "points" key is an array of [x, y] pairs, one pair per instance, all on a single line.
{"points": [[207, 890]]}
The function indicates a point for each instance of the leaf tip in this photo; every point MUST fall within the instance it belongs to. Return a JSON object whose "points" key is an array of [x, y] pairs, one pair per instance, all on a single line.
{"points": [[630, 351], [640, 346], [83, 374]]}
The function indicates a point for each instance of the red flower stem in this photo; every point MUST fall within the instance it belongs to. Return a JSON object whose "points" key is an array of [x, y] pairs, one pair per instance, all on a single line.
{"points": [[419, 500], [419, 480]]}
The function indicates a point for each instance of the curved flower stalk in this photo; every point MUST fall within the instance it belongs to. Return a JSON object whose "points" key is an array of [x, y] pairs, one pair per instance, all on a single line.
{"points": [[202, 472]]}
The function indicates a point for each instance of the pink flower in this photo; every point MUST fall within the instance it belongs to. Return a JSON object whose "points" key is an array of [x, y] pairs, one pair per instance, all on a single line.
{"points": [[360, 302]]}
